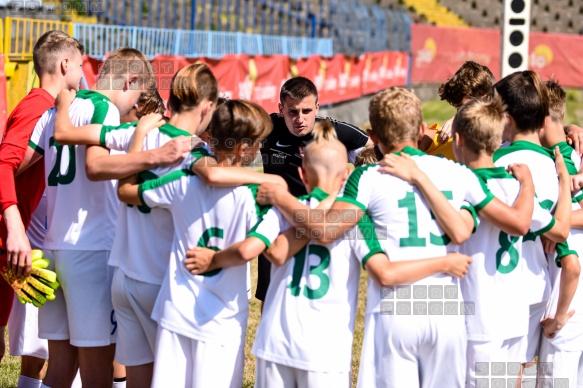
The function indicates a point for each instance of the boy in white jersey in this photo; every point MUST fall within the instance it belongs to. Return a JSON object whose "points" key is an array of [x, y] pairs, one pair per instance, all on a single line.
{"points": [[494, 284], [392, 353], [141, 263], [526, 98], [202, 319], [81, 222], [562, 343], [305, 334]]}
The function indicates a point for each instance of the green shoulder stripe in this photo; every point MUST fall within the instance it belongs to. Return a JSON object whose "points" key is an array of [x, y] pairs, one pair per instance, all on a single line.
{"points": [[155, 183], [521, 145], [261, 209], [105, 129], [351, 186], [36, 147], [492, 173], [199, 153], [172, 131], [366, 230], [567, 152]]}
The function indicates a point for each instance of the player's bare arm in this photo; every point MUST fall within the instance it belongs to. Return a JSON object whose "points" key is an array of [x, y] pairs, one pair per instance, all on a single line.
{"points": [[330, 227], [207, 170], [388, 273], [18, 250], [200, 260], [571, 270], [560, 230], [458, 225], [100, 165], [575, 138], [285, 246], [514, 220], [145, 125], [65, 131]]}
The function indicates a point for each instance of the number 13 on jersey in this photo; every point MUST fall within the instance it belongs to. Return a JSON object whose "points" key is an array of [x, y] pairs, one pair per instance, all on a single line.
{"points": [[317, 270]]}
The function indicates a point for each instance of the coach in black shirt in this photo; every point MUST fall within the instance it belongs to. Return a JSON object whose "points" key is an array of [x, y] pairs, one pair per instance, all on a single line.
{"points": [[283, 150]]}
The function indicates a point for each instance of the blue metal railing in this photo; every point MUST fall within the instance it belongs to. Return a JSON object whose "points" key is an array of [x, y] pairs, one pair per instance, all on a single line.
{"points": [[99, 39], [266, 17]]}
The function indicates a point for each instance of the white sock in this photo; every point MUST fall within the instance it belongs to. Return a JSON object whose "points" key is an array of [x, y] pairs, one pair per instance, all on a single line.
{"points": [[119, 384], [28, 382]]}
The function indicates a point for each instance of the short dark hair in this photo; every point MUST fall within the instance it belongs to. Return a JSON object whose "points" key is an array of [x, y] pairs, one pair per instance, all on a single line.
{"points": [[526, 99], [472, 80], [298, 88]]}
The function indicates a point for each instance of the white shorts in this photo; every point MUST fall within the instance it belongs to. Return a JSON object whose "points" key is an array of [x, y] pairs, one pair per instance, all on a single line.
{"points": [[558, 367], [133, 302], [185, 362], [272, 375], [23, 332], [531, 342], [493, 360], [413, 351], [82, 311]]}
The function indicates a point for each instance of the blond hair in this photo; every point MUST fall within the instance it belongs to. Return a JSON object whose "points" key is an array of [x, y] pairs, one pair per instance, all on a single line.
{"points": [[395, 116], [150, 102], [557, 100], [237, 121], [481, 124], [124, 61], [191, 85], [49, 48], [367, 156]]}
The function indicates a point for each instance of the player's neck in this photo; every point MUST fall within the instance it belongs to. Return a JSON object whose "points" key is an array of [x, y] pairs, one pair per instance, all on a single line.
{"points": [[531, 137], [227, 159], [52, 85], [325, 183], [398, 147], [187, 121], [478, 160], [553, 133]]}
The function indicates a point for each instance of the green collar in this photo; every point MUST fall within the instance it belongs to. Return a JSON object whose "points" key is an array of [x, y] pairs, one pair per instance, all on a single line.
{"points": [[319, 194], [172, 131], [91, 94], [492, 173], [520, 145], [412, 151]]}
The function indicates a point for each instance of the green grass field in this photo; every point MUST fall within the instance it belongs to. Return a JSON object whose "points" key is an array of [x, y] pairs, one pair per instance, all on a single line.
{"points": [[434, 112]]}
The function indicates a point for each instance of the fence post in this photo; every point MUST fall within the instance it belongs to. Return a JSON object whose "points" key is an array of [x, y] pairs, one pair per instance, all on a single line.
{"points": [[134, 36], [177, 39], [209, 47]]}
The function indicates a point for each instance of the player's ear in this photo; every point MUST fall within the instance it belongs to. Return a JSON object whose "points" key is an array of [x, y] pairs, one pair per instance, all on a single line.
{"points": [[206, 108], [422, 130], [64, 66], [458, 140], [280, 106], [303, 177], [372, 136]]}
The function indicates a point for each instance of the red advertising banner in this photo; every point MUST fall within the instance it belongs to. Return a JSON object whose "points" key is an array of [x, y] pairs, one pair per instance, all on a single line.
{"points": [[438, 52], [259, 78], [3, 98], [384, 69], [560, 55]]}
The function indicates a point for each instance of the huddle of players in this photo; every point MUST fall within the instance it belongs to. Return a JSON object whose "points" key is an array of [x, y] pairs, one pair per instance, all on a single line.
{"points": [[181, 321]]}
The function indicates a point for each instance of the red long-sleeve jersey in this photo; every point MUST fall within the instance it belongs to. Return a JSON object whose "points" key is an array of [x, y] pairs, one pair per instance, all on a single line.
{"points": [[27, 189]]}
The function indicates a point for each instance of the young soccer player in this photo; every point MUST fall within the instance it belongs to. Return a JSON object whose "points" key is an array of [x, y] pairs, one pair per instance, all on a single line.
{"points": [[494, 284], [81, 224], [202, 319], [392, 353], [471, 80], [306, 331], [527, 102], [138, 277], [562, 343], [57, 60]]}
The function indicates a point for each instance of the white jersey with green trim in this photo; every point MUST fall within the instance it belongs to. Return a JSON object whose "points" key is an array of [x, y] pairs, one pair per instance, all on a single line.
{"points": [[213, 306], [81, 213], [143, 236], [309, 310], [405, 225], [495, 282], [546, 185]]}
